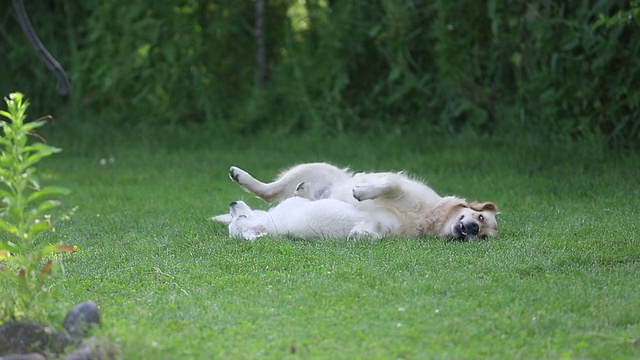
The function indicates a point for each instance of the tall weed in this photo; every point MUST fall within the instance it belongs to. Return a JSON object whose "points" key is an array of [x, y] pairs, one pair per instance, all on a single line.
{"points": [[24, 212]]}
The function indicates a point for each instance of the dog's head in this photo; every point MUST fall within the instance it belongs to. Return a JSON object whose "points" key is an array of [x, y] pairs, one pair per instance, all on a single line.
{"points": [[475, 221], [244, 222]]}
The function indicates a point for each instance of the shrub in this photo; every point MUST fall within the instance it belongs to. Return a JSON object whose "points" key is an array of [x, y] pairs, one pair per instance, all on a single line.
{"points": [[24, 209], [489, 66]]}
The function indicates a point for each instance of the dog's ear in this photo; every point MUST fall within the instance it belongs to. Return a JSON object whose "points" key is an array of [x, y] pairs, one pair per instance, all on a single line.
{"points": [[224, 219], [452, 202], [486, 206]]}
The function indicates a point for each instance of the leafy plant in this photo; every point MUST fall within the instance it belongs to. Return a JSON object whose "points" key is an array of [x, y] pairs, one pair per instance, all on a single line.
{"points": [[552, 69], [622, 17], [24, 207]]}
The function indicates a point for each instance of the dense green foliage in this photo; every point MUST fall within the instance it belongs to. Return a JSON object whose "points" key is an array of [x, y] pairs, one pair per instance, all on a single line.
{"points": [[503, 67]]}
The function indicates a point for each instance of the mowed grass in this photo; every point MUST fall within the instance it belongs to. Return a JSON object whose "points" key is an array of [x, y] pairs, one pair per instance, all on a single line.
{"points": [[561, 281]]}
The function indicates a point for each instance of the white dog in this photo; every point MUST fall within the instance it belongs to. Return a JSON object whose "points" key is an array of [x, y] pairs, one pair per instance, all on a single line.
{"points": [[395, 203], [301, 218]]}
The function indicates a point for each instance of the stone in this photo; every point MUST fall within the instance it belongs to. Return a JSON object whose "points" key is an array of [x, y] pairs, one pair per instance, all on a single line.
{"points": [[81, 318], [28, 340], [21, 337]]}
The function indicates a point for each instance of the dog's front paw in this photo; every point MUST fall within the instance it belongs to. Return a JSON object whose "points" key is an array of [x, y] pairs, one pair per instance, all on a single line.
{"points": [[357, 194], [363, 192]]}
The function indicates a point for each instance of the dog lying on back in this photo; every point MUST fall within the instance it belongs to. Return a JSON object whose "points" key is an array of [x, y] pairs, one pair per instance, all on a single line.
{"points": [[300, 218], [394, 204]]}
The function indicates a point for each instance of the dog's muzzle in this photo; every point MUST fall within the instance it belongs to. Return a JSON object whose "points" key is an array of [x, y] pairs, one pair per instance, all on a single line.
{"points": [[466, 230]]}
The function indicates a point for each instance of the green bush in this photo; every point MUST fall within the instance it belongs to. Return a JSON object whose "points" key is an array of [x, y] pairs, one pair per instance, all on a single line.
{"points": [[492, 67]]}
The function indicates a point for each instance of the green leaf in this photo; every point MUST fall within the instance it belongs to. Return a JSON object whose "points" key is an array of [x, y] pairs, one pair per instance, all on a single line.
{"points": [[42, 147], [7, 245], [33, 125], [10, 228], [47, 191], [4, 193], [37, 229], [39, 150], [47, 205], [15, 211]]}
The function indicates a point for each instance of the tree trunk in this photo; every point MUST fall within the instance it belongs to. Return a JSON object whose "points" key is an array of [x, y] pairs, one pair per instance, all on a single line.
{"points": [[261, 46]]}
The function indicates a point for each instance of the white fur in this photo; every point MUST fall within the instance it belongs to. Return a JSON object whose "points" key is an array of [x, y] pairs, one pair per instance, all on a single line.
{"points": [[297, 217], [395, 203]]}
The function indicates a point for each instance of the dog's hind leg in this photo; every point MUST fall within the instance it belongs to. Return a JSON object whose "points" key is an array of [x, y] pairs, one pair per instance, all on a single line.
{"points": [[318, 179], [268, 192]]}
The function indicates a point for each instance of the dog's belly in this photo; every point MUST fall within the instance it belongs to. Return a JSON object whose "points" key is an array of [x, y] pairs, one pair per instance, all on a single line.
{"points": [[321, 218]]}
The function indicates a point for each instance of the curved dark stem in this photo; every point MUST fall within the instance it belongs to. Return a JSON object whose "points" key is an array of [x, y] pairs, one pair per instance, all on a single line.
{"points": [[261, 53], [43, 54]]}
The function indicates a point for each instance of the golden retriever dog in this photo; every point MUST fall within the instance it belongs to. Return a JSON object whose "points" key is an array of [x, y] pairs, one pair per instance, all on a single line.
{"points": [[396, 203]]}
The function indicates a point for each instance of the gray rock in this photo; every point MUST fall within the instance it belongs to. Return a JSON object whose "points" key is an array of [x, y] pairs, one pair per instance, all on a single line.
{"points": [[81, 319], [27, 340], [20, 337]]}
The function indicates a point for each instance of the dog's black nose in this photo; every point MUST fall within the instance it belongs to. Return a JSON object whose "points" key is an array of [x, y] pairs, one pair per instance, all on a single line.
{"points": [[470, 228], [233, 203]]}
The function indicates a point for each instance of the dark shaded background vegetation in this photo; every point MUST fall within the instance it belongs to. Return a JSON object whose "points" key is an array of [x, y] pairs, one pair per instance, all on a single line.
{"points": [[502, 67]]}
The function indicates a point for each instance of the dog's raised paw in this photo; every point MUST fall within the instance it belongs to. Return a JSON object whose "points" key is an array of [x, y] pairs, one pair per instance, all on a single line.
{"points": [[234, 173], [360, 193], [356, 194]]}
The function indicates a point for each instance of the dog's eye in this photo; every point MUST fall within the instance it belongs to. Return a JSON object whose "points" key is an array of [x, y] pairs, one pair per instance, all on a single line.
{"points": [[461, 217], [481, 218], [242, 216]]}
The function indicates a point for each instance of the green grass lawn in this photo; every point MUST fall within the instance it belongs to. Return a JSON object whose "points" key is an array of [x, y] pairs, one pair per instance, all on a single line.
{"points": [[562, 280]]}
